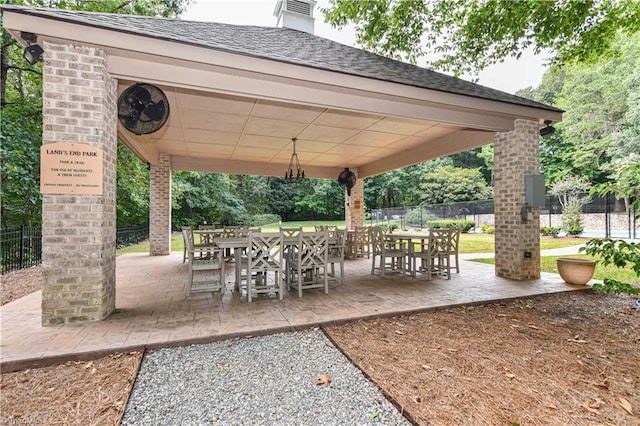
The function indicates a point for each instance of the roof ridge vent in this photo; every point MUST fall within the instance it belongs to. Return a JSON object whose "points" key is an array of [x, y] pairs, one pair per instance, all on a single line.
{"points": [[295, 14]]}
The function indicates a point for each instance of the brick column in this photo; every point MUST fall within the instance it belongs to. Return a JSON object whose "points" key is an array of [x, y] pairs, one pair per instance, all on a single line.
{"points": [[516, 154], [354, 205], [79, 231], [160, 207]]}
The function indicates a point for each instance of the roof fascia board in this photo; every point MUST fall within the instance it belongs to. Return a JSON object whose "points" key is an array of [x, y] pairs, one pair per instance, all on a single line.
{"points": [[84, 34], [454, 142]]}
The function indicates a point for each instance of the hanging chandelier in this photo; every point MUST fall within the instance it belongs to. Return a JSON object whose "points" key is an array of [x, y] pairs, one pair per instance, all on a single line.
{"points": [[294, 171]]}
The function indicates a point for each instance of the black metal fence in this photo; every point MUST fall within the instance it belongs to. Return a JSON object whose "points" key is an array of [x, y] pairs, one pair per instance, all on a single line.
{"points": [[21, 247], [131, 234], [603, 216]]}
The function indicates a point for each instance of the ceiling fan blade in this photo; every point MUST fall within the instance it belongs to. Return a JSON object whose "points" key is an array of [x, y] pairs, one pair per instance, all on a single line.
{"points": [[155, 112]]}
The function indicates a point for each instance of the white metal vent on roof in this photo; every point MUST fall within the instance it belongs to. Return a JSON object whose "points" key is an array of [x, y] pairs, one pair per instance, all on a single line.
{"points": [[299, 7], [295, 14]]}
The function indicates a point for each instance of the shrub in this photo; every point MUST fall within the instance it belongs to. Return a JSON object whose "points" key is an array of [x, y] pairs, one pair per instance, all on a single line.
{"points": [[488, 229], [463, 225], [392, 226], [549, 231], [619, 253], [418, 217]]}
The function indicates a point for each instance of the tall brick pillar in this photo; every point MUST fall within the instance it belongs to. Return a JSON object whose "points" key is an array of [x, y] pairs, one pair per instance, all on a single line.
{"points": [[160, 207], [515, 156], [354, 205], [79, 231]]}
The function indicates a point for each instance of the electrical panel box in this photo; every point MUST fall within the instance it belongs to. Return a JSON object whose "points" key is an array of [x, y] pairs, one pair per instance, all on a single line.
{"points": [[534, 190]]}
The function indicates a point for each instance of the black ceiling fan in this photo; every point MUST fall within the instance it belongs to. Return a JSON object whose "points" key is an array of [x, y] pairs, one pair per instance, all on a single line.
{"points": [[347, 179], [143, 108]]}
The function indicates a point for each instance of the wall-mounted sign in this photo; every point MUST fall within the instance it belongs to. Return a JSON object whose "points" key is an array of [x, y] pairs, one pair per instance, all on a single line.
{"points": [[70, 168], [357, 204]]}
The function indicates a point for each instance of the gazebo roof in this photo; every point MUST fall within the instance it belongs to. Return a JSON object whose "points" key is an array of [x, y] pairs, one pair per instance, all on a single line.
{"points": [[238, 95]]}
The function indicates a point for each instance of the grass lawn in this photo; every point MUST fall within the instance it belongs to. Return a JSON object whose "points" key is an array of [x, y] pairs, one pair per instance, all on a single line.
{"points": [[548, 264]]}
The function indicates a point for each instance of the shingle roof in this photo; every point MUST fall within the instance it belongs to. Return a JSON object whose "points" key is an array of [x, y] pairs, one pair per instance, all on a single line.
{"points": [[283, 45]]}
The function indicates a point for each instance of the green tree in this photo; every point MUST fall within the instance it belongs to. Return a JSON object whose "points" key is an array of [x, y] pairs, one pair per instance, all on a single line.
{"points": [[470, 35], [447, 184], [602, 103], [198, 197], [21, 117], [132, 194], [319, 199]]}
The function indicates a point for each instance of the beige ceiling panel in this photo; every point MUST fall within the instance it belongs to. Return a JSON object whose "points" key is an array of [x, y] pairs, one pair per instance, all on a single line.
{"points": [[264, 141], [214, 102], [401, 126], [306, 145], [350, 150], [209, 150], [274, 128], [288, 112], [210, 136], [409, 142], [167, 133], [347, 120], [374, 139], [381, 153], [205, 120], [327, 134], [245, 152]]}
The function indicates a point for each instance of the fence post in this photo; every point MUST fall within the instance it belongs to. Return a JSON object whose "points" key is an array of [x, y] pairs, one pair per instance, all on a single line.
{"points": [[21, 255], [607, 217]]}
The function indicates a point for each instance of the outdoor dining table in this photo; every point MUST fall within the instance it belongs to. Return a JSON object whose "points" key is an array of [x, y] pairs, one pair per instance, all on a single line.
{"points": [[239, 243]]}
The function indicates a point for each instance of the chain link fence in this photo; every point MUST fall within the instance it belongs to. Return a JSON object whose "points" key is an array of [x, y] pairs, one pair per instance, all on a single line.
{"points": [[602, 217]]}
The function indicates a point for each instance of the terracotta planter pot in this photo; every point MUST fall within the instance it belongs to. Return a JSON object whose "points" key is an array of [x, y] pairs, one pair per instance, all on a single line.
{"points": [[576, 271]]}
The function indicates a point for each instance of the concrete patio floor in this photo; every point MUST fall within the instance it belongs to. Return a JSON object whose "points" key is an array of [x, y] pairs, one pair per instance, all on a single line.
{"points": [[152, 310]]}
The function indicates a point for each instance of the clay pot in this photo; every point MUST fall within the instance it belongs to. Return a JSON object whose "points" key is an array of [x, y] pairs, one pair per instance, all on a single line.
{"points": [[576, 271]]}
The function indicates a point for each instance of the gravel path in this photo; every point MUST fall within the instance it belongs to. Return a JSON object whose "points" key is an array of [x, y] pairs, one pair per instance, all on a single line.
{"points": [[269, 380]]}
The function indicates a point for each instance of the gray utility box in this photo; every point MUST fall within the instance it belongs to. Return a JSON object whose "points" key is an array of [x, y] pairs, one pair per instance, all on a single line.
{"points": [[534, 191]]}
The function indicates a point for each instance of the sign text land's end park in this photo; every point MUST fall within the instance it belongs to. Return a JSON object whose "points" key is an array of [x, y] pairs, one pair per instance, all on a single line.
{"points": [[70, 168]]}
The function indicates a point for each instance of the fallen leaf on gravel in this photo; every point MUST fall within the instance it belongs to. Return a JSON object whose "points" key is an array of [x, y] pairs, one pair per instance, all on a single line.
{"points": [[399, 332], [532, 326], [552, 406], [88, 365], [626, 405], [341, 361], [510, 376], [515, 326], [426, 367], [323, 379], [590, 409], [577, 341], [501, 315]]}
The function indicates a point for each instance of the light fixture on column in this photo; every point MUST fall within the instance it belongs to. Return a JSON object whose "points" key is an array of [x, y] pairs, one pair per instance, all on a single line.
{"points": [[294, 171], [545, 131], [33, 52]]}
